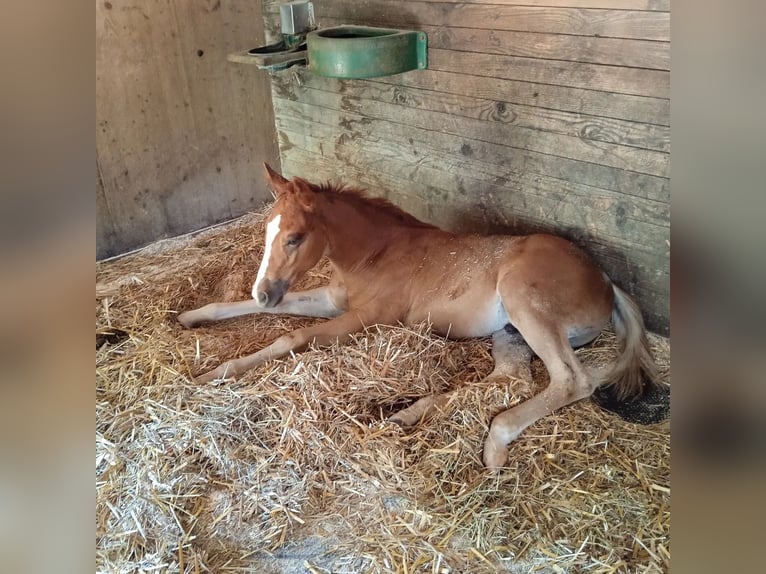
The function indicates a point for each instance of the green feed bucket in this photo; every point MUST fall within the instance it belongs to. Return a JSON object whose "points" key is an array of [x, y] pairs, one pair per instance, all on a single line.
{"points": [[365, 52]]}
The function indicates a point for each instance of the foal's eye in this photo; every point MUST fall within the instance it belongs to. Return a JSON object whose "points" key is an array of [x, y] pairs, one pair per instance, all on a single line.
{"points": [[294, 240]]}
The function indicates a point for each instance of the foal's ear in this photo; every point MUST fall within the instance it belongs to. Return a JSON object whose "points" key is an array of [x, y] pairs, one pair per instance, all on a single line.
{"points": [[275, 179], [304, 194]]}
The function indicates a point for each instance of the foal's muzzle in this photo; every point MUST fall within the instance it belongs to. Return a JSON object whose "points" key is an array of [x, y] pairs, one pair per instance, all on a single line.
{"points": [[269, 293]]}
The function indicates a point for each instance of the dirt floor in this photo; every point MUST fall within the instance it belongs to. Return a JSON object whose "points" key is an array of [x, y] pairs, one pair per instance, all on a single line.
{"points": [[294, 468]]}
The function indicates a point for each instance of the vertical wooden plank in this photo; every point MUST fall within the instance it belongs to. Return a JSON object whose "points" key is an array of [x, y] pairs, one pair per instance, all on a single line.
{"points": [[180, 131], [106, 240]]}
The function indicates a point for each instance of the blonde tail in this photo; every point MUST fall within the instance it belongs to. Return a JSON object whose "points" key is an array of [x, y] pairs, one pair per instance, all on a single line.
{"points": [[635, 370]]}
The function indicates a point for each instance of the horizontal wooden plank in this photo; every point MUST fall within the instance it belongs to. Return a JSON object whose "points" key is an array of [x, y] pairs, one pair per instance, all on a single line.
{"points": [[500, 57], [628, 158], [644, 275], [631, 81], [651, 5], [348, 135], [648, 54], [586, 49], [533, 87], [622, 132], [640, 25], [494, 162], [627, 5], [618, 106], [518, 160], [623, 220], [609, 105]]}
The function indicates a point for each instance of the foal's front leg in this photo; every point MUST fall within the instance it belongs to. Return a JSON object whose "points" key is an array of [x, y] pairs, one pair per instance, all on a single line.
{"points": [[328, 301], [322, 334]]}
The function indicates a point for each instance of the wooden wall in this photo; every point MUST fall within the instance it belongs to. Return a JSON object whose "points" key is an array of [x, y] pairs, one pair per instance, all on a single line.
{"points": [[533, 115], [181, 133]]}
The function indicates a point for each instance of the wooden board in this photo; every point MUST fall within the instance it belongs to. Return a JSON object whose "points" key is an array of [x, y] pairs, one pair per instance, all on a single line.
{"points": [[653, 5], [585, 126], [619, 80], [638, 24], [572, 146], [180, 133], [648, 54], [596, 50], [499, 155], [640, 109]]}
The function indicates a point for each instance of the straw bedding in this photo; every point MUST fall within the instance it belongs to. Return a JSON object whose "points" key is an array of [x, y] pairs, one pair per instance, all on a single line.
{"points": [[293, 467]]}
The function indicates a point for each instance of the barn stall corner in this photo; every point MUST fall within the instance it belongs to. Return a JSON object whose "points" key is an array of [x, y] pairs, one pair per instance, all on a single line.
{"points": [[527, 116]]}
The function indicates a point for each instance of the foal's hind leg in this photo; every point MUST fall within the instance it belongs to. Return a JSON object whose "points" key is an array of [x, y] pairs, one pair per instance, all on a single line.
{"points": [[512, 357], [569, 382]]}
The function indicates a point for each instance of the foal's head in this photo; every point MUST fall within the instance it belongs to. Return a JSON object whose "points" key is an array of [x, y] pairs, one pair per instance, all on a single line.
{"points": [[294, 239]]}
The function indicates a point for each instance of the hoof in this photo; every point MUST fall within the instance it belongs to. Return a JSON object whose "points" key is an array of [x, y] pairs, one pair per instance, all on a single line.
{"points": [[411, 416], [220, 373], [402, 420], [495, 456], [205, 378], [187, 319]]}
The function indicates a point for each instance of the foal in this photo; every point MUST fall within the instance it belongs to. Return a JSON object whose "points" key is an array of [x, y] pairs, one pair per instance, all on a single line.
{"points": [[536, 293]]}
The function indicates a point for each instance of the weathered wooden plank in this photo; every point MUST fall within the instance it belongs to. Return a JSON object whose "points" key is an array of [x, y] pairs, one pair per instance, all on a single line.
{"points": [[416, 198], [641, 25], [628, 5], [587, 49], [178, 130], [107, 241], [415, 147], [623, 157], [624, 221], [619, 80], [579, 73], [648, 54], [622, 132], [621, 181], [608, 105], [651, 5], [632, 269], [615, 92]]}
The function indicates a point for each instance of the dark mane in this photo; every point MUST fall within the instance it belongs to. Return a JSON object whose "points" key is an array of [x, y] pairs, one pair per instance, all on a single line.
{"points": [[359, 198]]}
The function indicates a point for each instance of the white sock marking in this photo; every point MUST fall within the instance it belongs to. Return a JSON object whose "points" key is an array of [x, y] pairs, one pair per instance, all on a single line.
{"points": [[272, 230]]}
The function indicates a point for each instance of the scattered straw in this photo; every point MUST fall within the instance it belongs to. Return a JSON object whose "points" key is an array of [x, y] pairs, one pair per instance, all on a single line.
{"points": [[292, 468]]}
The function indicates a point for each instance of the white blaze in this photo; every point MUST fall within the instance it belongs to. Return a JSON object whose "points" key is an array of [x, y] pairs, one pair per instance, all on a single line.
{"points": [[272, 230]]}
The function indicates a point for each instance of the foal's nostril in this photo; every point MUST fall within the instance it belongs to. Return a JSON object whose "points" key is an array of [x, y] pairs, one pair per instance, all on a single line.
{"points": [[263, 298]]}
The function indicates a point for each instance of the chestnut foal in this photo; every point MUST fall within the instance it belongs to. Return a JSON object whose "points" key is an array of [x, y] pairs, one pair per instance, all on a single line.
{"points": [[535, 293]]}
